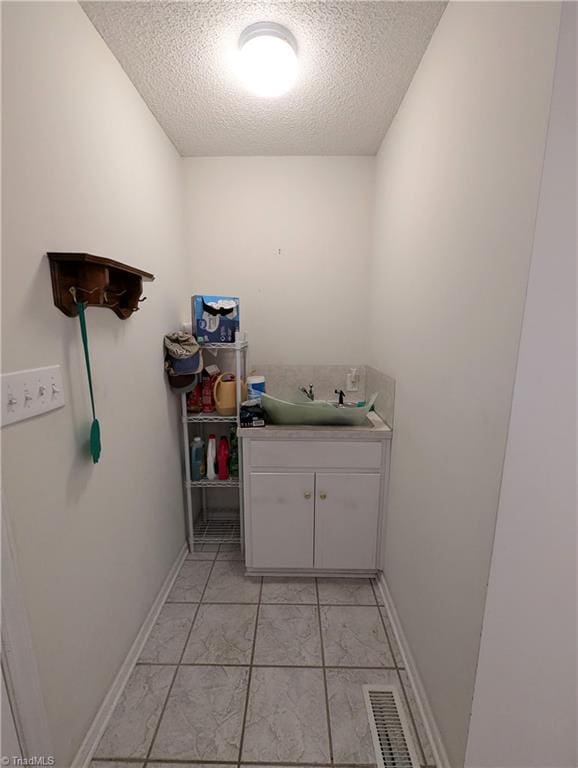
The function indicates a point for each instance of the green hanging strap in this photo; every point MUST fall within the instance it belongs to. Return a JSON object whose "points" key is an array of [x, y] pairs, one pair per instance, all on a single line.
{"points": [[95, 426]]}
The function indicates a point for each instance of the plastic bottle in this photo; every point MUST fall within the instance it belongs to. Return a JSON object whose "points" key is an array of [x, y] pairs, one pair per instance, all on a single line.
{"points": [[194, 399], [211, 457], [255, 387], [223, 459], [233, 453], [197, 459], [207, 402]]}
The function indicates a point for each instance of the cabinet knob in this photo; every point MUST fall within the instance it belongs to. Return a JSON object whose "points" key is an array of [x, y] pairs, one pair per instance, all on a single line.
{"points": [[322, 495], [307, 494]]}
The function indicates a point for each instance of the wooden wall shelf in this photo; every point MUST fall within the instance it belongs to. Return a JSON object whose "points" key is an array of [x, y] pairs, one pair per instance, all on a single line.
{"points": [[98, 282]]}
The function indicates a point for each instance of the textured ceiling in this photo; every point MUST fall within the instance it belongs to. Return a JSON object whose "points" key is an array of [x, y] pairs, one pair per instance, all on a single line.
{"points": [[356, 62]]}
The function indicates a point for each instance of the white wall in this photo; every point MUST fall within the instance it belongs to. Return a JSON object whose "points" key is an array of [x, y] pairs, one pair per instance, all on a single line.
{"points": [[291, 236], [456, 196], [524, 707], [87, 168]]}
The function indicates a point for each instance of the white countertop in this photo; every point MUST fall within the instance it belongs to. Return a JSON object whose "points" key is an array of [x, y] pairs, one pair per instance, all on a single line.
{"points": [[374, 427]]}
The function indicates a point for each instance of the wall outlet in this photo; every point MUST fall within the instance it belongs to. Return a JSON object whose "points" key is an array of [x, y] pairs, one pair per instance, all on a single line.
{"points": [[352, 381], [30, 393]]}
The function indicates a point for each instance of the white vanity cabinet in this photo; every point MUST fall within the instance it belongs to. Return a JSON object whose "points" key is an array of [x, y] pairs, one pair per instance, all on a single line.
{"points": [[281, 506], [347, 510], [314, 500]]}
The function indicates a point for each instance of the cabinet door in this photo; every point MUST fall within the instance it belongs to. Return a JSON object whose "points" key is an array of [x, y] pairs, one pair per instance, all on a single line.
{"points": [[282, 520], [346, 517]]}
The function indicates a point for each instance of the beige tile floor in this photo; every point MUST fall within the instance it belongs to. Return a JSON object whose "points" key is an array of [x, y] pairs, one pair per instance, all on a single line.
{"points": [[266, 671]]}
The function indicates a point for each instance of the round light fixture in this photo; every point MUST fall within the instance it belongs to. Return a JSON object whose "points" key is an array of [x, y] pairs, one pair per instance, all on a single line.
{"points": [[267, 59]]}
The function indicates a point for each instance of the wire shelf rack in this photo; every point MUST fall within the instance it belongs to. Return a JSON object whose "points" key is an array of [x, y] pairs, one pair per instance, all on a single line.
{"points": [[203, 526], [218, 530], [207, 418], [234, 345], [232, 482]]}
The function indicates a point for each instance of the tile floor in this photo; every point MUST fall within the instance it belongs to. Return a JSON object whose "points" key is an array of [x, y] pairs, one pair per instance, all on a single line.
{"points": [[241, 670]]}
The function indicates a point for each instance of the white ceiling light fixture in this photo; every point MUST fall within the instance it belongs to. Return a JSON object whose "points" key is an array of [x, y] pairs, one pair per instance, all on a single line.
{"points": [[267, 59]]}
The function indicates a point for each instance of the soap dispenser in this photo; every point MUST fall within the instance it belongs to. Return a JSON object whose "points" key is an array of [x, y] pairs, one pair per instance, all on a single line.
{"points": [[211, 457]]}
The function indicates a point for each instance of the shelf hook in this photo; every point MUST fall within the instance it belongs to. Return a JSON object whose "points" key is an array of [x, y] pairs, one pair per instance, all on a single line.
{"points": [[73, 290], [105, 297], [84, 290]]}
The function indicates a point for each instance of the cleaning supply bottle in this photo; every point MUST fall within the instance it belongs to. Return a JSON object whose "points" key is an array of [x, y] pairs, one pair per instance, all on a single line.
{"points": [[208, 380], [223, 459], [233, 453], [197, 459], [211, 457]]}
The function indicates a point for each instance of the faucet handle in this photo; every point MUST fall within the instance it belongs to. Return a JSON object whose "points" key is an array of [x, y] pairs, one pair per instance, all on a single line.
{"points": [[341, 394]]}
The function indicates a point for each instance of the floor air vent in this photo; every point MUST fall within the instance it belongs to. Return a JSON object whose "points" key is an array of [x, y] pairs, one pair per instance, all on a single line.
{"points": [[391, 735]]}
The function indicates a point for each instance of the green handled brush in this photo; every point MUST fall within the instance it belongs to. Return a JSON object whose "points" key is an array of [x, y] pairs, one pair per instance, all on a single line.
{"points": [[95, 446]]}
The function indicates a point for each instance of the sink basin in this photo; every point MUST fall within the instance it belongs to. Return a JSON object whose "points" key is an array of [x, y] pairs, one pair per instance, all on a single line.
{"points": [[315, 412]]}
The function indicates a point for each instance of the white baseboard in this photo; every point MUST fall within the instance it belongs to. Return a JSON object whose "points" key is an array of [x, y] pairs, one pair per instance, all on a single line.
{"points": [[94, 734], [437, 745]]}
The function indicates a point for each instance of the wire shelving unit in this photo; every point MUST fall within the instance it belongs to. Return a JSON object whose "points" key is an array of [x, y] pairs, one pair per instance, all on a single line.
{"points": [[208, 524]]}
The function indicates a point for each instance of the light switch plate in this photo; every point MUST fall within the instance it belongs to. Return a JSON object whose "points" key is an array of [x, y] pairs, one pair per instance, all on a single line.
{"points": [[30, 393]]}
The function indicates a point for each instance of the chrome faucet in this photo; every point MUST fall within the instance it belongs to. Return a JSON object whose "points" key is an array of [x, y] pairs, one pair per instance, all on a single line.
{"points": [[308, 392]]}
